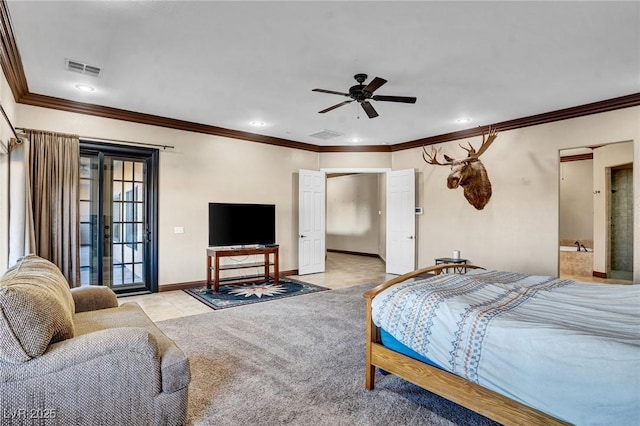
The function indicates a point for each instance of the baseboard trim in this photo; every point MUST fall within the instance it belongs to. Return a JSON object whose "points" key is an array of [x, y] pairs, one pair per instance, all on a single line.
{"points": [[355, 253], [182, 286], [599, 274]]}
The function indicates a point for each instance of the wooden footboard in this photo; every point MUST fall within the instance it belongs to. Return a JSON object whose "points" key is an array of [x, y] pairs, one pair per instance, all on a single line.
{"points": [[454, 388]]}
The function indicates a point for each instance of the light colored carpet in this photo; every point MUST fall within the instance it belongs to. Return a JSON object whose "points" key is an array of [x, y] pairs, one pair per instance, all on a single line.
{"points": [[297, 361]]}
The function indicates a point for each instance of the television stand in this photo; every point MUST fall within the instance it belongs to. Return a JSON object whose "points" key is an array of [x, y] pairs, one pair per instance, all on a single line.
{"points": [[213, 264]]}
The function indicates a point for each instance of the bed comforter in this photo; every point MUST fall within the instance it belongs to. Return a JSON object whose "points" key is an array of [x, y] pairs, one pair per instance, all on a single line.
{"points": [[566, 348]]}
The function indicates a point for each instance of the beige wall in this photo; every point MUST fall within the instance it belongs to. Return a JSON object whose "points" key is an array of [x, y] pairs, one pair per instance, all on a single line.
{"points": [[354, 160], [201, 169], [353, 220], [9, 105], [518, 229], [576, 201]]}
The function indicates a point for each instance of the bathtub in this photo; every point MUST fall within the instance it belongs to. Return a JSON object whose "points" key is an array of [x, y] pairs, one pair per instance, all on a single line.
{"points": [[574, 248], [574, 262]]}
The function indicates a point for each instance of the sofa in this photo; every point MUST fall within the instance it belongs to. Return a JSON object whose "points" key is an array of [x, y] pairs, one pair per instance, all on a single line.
{"points": [[73, 356]]}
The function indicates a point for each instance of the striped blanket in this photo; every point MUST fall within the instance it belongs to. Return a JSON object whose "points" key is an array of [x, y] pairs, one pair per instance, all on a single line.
{"points": [[566, 348]]}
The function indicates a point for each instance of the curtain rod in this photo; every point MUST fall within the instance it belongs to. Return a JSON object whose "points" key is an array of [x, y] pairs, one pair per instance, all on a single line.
{"points": [[96, 139], [129, 142]]}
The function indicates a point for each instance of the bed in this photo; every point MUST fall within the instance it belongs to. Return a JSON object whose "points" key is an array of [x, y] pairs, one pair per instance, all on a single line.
{"points": [[516, 348]]}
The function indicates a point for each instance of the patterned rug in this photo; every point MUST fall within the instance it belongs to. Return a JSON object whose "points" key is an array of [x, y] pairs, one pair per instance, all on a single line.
{"points": [[229, 296]]}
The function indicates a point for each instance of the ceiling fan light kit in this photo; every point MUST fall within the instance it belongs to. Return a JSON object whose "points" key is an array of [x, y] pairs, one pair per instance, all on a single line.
{"points": [[362, 93]]}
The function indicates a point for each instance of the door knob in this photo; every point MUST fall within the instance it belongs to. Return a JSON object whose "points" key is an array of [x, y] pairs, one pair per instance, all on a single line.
{"points": [[303, 236]]}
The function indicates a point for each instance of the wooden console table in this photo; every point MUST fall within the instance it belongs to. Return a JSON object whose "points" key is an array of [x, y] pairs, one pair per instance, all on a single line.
{"points": [[213, 264]]}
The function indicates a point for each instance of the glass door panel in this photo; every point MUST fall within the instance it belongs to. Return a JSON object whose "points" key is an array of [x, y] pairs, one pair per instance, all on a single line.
{"points": [[128, 222], [117, 202], [89, 203]]}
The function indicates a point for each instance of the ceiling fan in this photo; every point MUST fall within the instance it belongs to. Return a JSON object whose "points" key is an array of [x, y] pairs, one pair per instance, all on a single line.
{"points": [[362, 94]]}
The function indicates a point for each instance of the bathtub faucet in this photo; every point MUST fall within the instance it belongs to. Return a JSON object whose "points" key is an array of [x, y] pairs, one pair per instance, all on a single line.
{"points": [[579, 244]]}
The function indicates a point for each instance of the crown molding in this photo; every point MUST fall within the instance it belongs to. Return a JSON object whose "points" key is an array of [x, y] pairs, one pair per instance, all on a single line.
{"points": [[155, 120], [14, 73], [532, 120], [10, 56]]}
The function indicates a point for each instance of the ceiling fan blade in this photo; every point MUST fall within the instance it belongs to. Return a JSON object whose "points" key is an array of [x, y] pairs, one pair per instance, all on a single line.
{"points": [[374, 85], [332, 92], [368, 108], [334, 107], [405, 99]]}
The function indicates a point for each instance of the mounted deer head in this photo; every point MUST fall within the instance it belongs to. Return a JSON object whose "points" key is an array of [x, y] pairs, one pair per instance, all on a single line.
{"points": [[469, 172]]}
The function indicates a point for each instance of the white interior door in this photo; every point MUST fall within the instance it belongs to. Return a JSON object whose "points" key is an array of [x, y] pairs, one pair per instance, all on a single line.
{"points": [[401, 221], [311, 222]]}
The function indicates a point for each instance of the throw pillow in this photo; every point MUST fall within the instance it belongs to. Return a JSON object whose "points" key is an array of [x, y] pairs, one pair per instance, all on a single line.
{"points": [[36, 309]]}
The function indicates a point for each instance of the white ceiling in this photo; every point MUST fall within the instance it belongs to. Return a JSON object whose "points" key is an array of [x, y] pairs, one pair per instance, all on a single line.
{"points": [[226, 64]]}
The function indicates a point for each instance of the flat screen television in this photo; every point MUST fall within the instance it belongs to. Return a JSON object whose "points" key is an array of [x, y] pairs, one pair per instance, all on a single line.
{"points": [[241, 224]]}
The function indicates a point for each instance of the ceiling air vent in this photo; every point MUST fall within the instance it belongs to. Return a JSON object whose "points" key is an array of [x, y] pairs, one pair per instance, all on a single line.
{"points": [[326, 134], [81, 68]]}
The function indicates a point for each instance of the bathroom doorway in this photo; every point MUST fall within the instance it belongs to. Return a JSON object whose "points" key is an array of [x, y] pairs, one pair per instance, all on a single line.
{"points": [[596, 232], [576, 214]]}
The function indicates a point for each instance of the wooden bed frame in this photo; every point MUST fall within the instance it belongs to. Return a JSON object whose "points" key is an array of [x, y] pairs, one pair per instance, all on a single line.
{"points": [[450, 386]]}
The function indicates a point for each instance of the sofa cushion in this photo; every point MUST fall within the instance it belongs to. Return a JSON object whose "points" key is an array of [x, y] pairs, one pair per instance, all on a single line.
{"points": [[36, 309]]}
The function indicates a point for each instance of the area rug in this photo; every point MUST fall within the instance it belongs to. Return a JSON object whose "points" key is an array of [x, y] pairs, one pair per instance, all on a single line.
{"points": [[297, 361], [236, 295]]}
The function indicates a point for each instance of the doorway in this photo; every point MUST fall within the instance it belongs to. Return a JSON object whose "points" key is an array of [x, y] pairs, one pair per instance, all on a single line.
{"points": [[360, 214], [118, 217], [372, 212], [596, 226], [356, 213]]}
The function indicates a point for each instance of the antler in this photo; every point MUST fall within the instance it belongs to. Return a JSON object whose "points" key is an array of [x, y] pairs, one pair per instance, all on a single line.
{"points": [[486, 142], [432, 158], [487, 139]]}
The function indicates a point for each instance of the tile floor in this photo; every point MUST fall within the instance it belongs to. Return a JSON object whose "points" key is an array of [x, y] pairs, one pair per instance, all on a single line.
{"points": [[342, 270]]}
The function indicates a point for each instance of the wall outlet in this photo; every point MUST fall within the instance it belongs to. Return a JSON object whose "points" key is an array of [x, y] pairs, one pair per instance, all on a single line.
{"points": [[178, 230]]}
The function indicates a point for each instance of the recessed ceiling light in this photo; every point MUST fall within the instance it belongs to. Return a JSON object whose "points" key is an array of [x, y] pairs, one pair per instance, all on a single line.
{"points": [[463, 120], [354, 140], [85, 87], [256, 123]]}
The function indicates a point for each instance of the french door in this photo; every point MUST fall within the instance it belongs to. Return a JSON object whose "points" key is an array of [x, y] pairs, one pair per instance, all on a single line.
{"points": [[118, 217]]}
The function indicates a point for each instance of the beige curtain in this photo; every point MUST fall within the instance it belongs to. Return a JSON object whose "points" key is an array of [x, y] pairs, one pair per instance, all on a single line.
{"points": [[49, 226]]}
